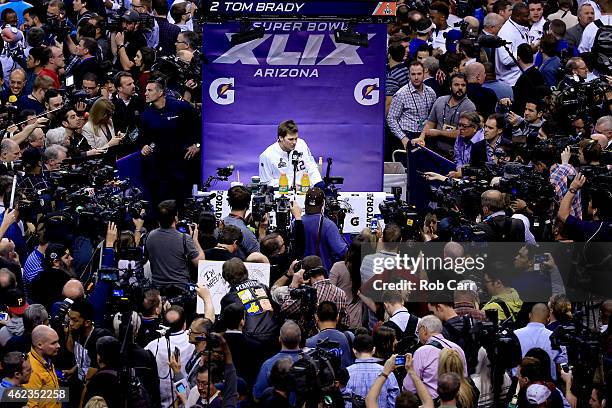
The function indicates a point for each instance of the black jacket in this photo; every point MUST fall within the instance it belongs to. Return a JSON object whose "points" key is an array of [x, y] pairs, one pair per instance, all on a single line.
{"points": [[260, 322], [245, 355], [502, 229], [478, 155], [48, 285]]}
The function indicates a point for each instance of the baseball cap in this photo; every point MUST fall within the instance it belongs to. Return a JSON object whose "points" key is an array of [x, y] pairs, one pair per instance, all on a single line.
{"points": [[16, 301], [315, 198], [423, 26], [537, 394], [55, 251], [452, 37], [131, 16]]}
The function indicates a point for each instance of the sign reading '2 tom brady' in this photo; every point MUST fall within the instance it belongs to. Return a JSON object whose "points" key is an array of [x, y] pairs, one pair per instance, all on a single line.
{"points": [[333, 91], [379, 11]]}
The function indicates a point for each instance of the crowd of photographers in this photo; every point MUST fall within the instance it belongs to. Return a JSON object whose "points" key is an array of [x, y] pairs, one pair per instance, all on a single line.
{"points": [[98, 287]]}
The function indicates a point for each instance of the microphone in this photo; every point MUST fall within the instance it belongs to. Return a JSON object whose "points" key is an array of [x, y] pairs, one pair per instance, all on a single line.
{"points": [[492, 41]]}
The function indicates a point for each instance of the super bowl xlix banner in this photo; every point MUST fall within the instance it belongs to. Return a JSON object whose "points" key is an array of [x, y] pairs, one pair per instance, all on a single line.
{"points": [[334, 92]]}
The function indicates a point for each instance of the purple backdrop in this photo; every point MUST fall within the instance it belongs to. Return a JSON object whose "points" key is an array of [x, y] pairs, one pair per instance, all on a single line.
{"points": [[334, 92]]}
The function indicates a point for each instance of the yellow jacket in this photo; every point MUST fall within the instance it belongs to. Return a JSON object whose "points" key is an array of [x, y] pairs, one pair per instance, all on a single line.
{"points": [[43, 377], [511, 299]]}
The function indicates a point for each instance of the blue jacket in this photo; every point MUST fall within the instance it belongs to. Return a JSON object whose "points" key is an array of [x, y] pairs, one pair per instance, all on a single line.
{"points": [[18, 6], [332, 245]]}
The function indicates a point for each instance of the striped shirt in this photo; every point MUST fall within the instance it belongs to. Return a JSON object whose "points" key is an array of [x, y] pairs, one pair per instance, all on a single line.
{"points": [[409, 109], [31, 269], [397, 77]]}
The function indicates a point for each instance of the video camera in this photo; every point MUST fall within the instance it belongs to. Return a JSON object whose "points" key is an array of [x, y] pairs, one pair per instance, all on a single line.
{"points": [[577, 99], [172, 68], [57, 26], [313, 376], [397, 211]]}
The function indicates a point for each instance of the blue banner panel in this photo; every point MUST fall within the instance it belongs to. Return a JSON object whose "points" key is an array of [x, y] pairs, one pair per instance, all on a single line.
{"points": [[334, 92]]}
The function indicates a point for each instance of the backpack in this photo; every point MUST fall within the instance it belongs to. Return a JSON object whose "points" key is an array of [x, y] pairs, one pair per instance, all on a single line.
{"points": [[602, 48]]}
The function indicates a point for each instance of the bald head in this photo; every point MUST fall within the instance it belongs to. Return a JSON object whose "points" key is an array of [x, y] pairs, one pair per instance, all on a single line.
{"points": [[475, 73], [42, 334], [73, 289], [453, 249], [473, 23], [492, 200], [290, 335], [539, 313], [257, 257]]}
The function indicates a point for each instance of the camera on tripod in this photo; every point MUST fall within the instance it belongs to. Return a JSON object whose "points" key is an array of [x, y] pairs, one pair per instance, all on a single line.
{"points": [[397, 211]]}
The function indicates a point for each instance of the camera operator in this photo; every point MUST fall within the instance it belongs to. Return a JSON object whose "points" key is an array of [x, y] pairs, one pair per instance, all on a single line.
{"points": [[524, 128], [314, 275], [504, 299], [81, 340], [9, 152], [260, 323], [603, 126], [290, 338], [128, 104], [171, 253], [321, 234], [278, 158], [176, 338], [576, 229], [166, 159], [53, 157], [126, 43], [496, 225]]}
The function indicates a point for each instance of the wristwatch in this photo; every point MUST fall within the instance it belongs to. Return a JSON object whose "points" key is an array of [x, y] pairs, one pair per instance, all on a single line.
{"points": [[573, 190]]}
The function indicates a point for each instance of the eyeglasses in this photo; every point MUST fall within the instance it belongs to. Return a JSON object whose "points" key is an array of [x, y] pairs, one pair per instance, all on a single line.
{"points": [[465, 126]]}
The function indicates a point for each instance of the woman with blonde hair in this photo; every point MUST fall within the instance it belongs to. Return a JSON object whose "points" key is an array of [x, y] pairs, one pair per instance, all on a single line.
{"points": [[450, 362], [99, 130]]}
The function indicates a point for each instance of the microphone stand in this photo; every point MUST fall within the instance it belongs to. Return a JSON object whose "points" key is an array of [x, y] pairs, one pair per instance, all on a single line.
{"points": [[295, 161], [513, 58]]}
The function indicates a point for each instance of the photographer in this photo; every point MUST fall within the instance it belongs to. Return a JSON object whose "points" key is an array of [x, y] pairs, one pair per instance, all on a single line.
{"points": [[497, 226], [576, 229], [315, 275], [321, 234], [127, 42], [171, 253]]}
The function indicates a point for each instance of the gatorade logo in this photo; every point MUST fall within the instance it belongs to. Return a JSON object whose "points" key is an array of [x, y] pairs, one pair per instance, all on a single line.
{"points": [[367, 91], [221, 91]]}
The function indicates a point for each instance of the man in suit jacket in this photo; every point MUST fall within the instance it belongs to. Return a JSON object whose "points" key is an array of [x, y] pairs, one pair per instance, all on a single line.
{"points": [[497, 226]]}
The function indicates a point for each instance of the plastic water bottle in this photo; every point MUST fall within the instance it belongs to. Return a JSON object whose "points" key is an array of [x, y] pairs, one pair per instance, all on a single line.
{"points": [[283, 184], [305, 184]]}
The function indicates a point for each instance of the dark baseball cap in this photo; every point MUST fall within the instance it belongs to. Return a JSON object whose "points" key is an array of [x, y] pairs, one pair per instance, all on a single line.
{"points": [[315, 198], [16, 301], [131, 16], [55, 251]]}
